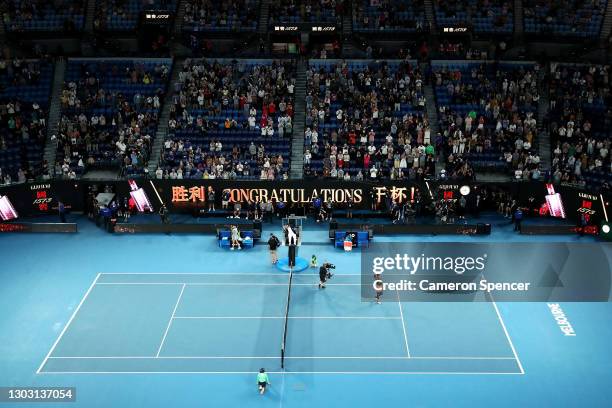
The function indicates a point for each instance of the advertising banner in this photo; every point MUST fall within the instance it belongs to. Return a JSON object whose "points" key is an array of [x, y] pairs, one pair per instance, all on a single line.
{"points": [[188, 196]]}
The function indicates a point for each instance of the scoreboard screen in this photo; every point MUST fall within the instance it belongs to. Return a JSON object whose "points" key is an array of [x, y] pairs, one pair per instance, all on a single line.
{"points": [[7, 211], [554, 202]]}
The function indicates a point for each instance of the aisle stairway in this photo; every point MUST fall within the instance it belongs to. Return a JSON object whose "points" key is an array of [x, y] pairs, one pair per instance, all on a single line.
{"points": [[162, 127], [55, 111], [90, 11], [178, 19], [297, 140], [544, 147], [431, 15], [347, 20], [432, 114], [519, 27], [264, 15], [606, 26]]}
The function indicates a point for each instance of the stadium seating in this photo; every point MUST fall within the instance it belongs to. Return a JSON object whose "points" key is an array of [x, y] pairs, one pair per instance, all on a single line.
{"points": [[221, 16], [311, 11], [123, 15], [568, 18], [25, 86], [368, 123], [110, 110], [483, 16], [487, 113], [581, 120], [231, 120], [388, 16], [41, 15]]}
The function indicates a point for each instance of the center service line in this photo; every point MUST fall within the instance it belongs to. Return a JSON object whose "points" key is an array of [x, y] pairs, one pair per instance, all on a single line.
{"points": [[403, 325], [171, 319]]}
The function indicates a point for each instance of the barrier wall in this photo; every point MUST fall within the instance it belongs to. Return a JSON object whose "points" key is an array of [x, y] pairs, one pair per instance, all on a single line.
{"points": [[190, 196]]}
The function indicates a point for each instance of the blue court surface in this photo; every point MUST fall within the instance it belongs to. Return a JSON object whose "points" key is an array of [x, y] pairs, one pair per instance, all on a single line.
{"points": [[174, 321]]}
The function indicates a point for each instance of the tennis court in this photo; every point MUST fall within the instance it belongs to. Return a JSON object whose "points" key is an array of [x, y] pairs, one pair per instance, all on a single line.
{"points": [[237, 323], [104, 338]]}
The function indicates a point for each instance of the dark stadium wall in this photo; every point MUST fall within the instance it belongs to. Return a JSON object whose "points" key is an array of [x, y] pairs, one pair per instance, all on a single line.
{"points": [[187, 196]]}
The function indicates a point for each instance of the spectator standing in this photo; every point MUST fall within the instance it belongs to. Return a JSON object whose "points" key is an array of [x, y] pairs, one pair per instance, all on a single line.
{"points": [[210, 198], [62, 211], [518, 218], [225, 198]]}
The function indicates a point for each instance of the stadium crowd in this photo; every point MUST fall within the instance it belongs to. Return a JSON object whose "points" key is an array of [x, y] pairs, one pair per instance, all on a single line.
{"points": [[367, 122], [575, 18], [293, 11], [389, 15], [487, 115], [109, 115], [41, 15], [581, 119], [364, 120], [24, 94], [483, 16], [231, 120], [215, 15], [124, 15]]}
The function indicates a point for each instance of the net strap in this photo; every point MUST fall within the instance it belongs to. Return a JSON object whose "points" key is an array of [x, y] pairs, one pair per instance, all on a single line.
{"points": [[284, 342]]}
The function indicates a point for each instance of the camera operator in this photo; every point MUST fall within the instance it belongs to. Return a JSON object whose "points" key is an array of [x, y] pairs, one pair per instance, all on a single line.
{"points": [[325, 274]]}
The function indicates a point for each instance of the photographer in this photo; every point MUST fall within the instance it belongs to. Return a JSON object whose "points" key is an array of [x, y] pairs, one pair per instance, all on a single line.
{"points": [[325, 274], [321, 215]]}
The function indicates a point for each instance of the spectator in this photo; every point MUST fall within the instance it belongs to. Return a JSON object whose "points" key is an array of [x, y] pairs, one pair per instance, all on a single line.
{"points": [[242, 100], [215, 15], [580, 124], [499, 128], [121, 133], [373, 120]]}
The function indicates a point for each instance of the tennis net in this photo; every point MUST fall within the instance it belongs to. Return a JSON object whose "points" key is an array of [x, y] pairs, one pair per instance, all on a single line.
{"points": [[284, 342]]}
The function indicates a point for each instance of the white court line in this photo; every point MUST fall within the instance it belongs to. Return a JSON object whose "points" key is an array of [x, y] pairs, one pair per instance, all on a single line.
{"points": [[403, 324], [291, 317], [271, 358], [225, 284], [290, 373], [68, 324], [518, 360], [170, 321], [282, 393], [223, 273], [281, 372]]}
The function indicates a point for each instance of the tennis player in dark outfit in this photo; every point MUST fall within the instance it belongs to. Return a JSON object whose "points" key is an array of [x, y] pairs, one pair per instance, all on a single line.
{"points": [[379, 291]]}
